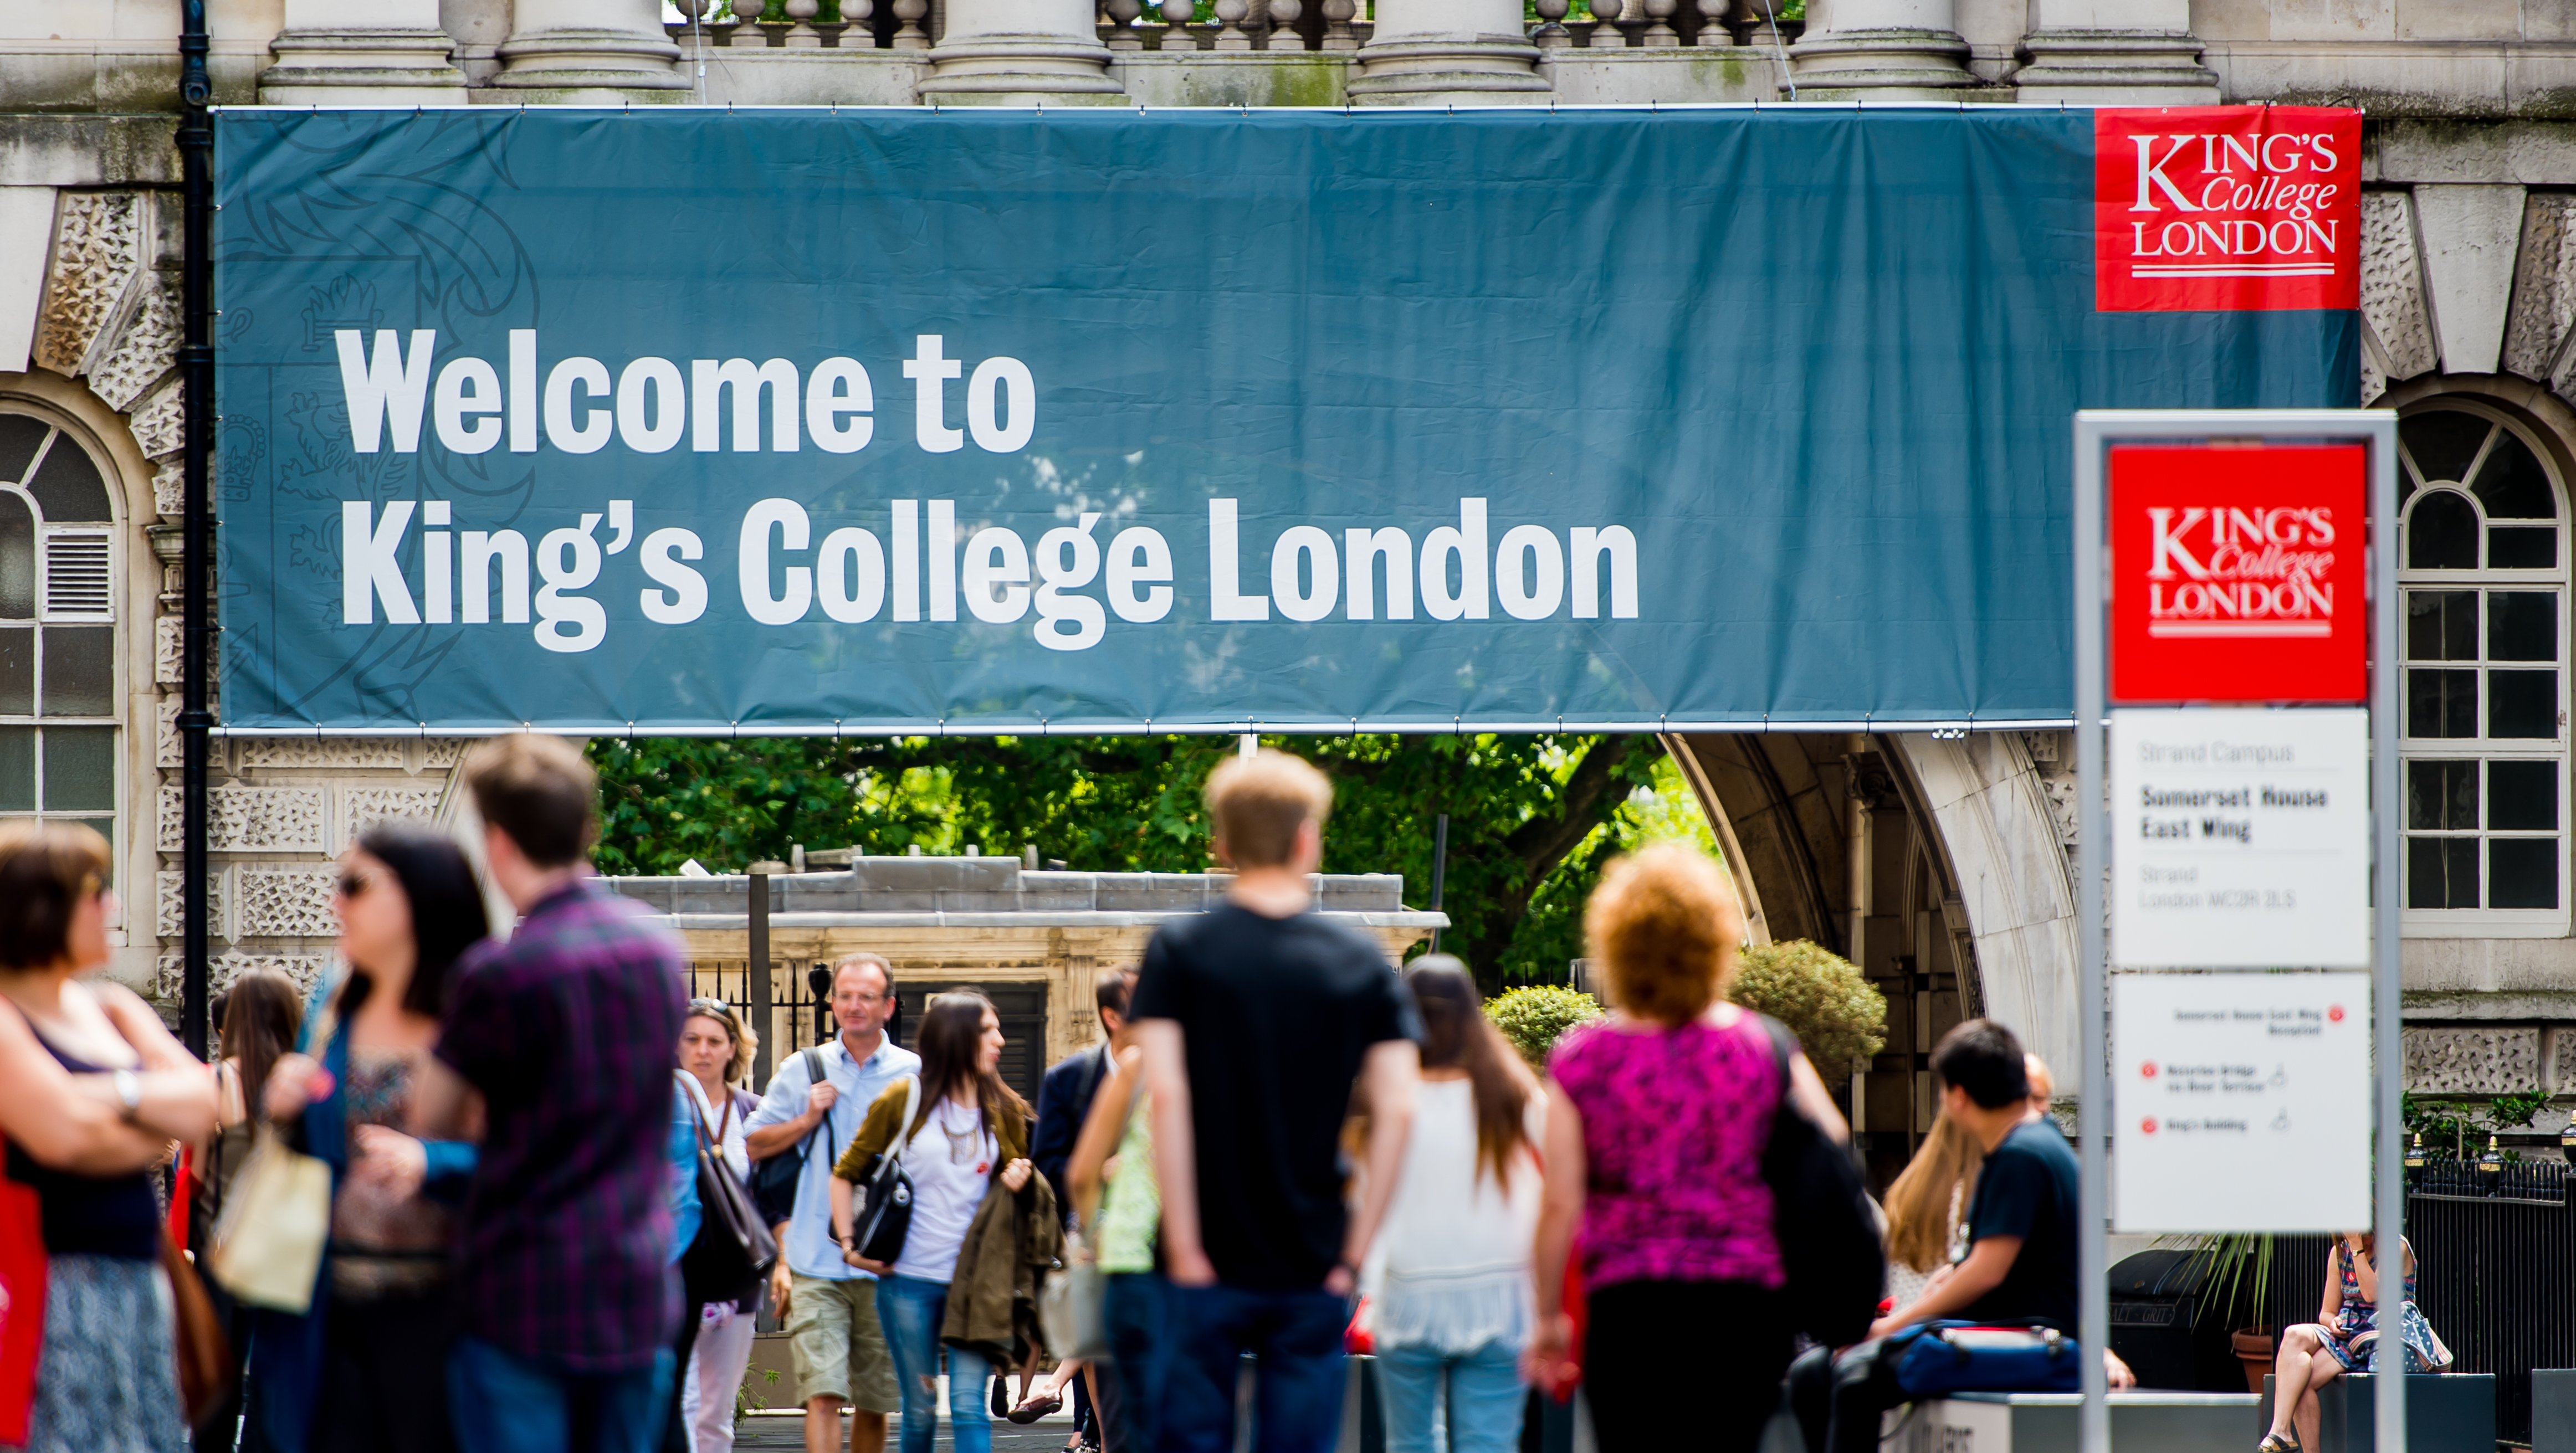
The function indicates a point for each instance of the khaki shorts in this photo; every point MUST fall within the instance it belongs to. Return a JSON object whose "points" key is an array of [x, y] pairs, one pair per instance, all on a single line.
{"points": [[840, 1350]]}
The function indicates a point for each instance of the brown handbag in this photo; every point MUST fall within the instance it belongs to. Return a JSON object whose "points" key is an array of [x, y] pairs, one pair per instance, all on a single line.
{"points": [[206, 1366]]}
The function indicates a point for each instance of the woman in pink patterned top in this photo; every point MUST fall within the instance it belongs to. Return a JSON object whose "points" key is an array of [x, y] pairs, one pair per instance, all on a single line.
{"points": [[1656, 1122]]}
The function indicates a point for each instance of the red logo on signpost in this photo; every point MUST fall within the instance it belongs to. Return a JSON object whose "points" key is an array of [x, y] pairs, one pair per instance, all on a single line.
{"points": [[2226, 207], [2237, 574]]}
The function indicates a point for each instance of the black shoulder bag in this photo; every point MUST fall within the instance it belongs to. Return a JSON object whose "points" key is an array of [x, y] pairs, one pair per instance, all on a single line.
{"points": [[734, 1250], [1829, 1243], [774, 1181], [884, 1213]]}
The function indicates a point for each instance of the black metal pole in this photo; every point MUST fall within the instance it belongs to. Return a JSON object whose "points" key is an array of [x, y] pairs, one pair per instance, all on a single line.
{"points": [[197, 374], [1439, 870], [758, 990]]}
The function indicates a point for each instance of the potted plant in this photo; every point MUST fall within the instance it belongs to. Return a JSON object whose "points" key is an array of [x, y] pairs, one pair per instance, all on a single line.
{"points": [[2237, 1274]]}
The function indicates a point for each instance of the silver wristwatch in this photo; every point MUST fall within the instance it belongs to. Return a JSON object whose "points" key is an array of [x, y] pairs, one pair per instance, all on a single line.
{"points": [[129, 1093]]}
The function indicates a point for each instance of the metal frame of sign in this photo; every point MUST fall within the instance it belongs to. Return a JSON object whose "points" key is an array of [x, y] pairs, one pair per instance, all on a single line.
{"points": [[2096, 431]]}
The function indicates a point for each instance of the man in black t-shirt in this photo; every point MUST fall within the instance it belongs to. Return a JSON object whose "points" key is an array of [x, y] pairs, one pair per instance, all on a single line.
{"points": [[2020, 1265], [1256, 1020]]}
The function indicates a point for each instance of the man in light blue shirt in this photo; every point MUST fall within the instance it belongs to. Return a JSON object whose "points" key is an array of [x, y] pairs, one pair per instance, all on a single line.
{"points": [[830, 1306]]}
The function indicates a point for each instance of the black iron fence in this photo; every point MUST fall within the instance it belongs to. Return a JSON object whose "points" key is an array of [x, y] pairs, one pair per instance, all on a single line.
{"points": [[2495, 1258], [800, 1012]]}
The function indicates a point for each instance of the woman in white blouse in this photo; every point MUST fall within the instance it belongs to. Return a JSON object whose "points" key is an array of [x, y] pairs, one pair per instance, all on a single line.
{"points": [[1450, 1286]]}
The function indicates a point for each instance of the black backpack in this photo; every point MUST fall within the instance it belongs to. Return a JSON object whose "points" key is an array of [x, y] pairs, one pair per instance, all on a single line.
{"points": [[1829, 1241], [774, 1181]]}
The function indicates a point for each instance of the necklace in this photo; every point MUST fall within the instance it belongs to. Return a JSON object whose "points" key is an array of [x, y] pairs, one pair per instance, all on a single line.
{"points": [[962, 1145]]}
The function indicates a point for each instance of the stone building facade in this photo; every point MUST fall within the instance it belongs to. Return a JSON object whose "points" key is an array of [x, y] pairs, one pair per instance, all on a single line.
{"points": [[1937, 860]]}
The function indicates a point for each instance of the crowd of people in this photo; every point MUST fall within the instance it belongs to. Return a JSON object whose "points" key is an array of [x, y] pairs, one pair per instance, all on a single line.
{"points": [[547, 1211]]}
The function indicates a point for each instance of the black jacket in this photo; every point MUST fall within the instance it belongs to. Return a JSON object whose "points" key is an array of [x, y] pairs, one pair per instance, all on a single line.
{"points": [[1064, 1102]]}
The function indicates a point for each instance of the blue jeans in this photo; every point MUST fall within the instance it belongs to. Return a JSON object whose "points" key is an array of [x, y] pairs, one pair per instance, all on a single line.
{"points": [[504, 1403], [911, 1310], [1483, 1407], [1138, 1348], [1296, 1338]]}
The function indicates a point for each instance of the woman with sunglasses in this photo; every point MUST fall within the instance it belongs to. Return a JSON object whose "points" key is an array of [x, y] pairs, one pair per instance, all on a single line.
{"points": [[367, 1369], [715, 1053], [92, 1092]]}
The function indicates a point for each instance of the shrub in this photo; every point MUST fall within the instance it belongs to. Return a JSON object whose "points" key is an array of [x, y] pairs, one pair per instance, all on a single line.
{"points": [[1533, 1018], [1839, 1019]]}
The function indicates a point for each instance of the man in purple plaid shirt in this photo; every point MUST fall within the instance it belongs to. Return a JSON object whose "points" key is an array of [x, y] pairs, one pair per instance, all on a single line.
{"points": [[567, 1303]]}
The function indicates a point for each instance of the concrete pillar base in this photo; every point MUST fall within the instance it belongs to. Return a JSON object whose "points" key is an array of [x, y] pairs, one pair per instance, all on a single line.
{"points": [[1880, 65], [1421, 70], [2115, 68], [362, 68], [1021, 70]]}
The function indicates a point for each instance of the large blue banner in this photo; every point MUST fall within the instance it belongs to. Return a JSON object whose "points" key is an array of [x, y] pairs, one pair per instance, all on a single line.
{"points": [[1100, 420]]}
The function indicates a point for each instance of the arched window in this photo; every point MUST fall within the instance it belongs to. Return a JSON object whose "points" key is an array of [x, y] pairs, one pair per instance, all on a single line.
{"points": [[58, 752], [2483, 568]]}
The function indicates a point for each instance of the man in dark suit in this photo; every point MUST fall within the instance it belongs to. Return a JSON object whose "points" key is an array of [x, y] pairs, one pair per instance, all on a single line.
{"points": [[1064, 1102], [1064, 1098]]}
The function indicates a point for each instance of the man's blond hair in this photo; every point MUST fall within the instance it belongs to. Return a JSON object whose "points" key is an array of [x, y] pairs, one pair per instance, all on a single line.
{"points": [[1256, 804]]}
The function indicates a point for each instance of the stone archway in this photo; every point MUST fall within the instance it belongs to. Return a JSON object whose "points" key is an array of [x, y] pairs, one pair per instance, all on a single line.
{"points": [[1937, 864]]}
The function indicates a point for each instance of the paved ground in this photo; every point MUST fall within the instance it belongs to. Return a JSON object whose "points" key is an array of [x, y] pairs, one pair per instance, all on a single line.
{"points": [[766, 1432]]}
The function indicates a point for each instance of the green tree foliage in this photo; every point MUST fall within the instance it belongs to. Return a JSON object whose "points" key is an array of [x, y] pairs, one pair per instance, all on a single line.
{"points": [[1534, 1016], [1838, 1018], [1532, 818]]}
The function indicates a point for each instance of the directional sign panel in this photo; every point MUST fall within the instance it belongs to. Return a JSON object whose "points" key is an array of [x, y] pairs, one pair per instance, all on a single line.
{"points": [[2240, 838], [2243, 1102]]}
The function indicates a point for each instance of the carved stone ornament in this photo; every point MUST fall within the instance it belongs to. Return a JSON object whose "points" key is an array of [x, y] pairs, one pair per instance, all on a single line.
{"points": [[98, 248], [2538, 329], [363, 807], [251, 819], [158, 421], [305, 969], [2392, 295], [2480, 1060], [166, 634], [166, 906], [341, 753], [283, 902], [147, 348]]}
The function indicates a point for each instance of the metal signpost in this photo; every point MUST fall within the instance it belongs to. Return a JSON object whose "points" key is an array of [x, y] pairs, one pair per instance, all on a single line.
{"points": [[2235, 600]]}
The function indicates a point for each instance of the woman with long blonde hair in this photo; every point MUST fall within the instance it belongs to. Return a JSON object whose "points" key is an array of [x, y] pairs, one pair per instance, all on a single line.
{"points": [[1924, 1208]]}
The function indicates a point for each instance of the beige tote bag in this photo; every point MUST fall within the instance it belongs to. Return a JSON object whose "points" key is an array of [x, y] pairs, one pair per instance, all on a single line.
{"points": [[276, 1219], [269, 1240]]}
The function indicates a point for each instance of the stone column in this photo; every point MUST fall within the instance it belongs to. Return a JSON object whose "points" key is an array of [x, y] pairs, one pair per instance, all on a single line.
{"points": [[1448, 52], [1880, 50], [589, 52], [2114, 53], [362, 53], [1021, 53]]}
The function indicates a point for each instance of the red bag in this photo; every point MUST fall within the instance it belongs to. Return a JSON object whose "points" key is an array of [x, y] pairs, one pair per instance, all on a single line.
{"points": [[22, 1306], [181, 1183]]}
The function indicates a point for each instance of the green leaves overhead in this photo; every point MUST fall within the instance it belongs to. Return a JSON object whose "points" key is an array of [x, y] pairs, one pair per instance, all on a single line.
{"points": [[1531, 817]]}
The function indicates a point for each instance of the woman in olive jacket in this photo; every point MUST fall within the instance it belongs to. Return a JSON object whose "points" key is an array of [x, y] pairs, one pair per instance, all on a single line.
{"points": [[968, 1133]]}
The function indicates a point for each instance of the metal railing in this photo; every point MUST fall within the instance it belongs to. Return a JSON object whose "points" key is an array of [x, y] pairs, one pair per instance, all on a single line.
{"points": [[2495, 1254]]}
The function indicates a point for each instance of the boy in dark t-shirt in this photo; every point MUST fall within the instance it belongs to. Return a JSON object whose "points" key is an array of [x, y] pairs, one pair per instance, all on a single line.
{"points": [[2020, 1264], [1256, 1018]]}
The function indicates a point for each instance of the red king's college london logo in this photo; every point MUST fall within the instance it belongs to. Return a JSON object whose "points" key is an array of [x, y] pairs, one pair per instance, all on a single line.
{"points": [[2237, 574], [2226, 207]]}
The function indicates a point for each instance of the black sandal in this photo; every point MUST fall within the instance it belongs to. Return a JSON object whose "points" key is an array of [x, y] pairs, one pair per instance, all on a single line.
{"points": [[2277, 1443]]}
